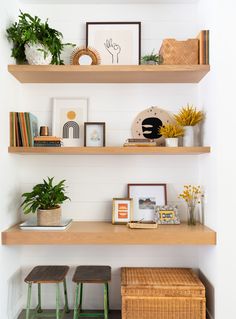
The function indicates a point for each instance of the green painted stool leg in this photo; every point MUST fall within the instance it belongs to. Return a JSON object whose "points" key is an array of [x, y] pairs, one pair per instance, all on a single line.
{"points": [[39, 309], [27, 316], [105, 301], [66, 297], [80, 297], [108, 302], [57, 301], [76, 302]]}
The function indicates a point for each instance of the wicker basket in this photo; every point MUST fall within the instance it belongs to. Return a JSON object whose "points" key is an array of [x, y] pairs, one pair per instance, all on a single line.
{"points": [[50, 217], [162, 293], [179, 52]]}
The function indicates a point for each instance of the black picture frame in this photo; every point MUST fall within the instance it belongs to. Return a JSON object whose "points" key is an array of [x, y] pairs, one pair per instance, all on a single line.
{"points": [[102, 130]]}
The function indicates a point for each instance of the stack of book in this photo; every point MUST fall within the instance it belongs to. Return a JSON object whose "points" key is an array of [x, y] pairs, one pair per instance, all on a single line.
{"points": [[47, 141], [203, 38], [23, 128], [139, 142]]}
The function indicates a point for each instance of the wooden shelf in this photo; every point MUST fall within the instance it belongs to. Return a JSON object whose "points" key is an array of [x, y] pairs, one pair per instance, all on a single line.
{"points": [[110, 150], [92, 233], [109, 74]]}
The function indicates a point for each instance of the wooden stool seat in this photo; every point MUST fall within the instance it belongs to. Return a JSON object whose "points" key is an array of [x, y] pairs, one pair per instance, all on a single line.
{"points": [[47, 274], [92, 274], [88, 275]]}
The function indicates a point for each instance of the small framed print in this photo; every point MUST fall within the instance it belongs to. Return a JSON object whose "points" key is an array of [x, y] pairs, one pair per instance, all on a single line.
{"points": [[69, 115], [146, 197], [94, 134], [122, 210], [118, 43], [167, 215]]}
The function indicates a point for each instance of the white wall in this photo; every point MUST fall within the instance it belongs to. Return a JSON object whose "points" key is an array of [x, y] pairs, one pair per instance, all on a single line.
{"points": [[94, 180], [10, 280]]}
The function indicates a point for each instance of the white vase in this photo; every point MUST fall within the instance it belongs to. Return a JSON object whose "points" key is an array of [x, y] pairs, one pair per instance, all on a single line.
{"points": [[35, 56], [171, 141], [188, 139]]}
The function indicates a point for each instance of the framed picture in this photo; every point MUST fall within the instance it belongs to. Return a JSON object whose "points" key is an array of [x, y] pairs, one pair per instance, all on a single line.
{"points": [[94, 134], [122, 210], [146, 197], [118, 43], [167, 215], [69, 115]]}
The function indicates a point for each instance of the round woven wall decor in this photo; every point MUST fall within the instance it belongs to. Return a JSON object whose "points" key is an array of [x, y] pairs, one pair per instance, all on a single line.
{"points": [[147, 123], [80, 52]]}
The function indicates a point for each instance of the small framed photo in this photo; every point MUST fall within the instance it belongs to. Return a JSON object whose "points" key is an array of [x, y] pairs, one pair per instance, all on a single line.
{"points": [[167, 215], [146, 197], [122, 210], [94, 134], [118, 43], [69, 115]]}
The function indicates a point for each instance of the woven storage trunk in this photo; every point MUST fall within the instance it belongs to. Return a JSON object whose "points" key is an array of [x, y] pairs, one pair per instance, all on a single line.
{"points": [[162, 293], [179, 52]]}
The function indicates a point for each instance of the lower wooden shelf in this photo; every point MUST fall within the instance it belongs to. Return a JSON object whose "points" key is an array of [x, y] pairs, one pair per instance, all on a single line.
{"points": [[104, 233]]}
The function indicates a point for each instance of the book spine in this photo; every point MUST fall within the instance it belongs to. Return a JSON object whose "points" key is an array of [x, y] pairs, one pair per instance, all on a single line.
{"points": [[47, 142], [46, 145], [23, 129], [19, 130]]}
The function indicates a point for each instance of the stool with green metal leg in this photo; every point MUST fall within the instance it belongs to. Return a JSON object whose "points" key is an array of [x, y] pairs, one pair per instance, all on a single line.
{"points": [[47, 275], [91, 274]]}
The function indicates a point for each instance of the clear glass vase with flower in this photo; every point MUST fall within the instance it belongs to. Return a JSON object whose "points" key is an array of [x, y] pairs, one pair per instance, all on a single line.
{"points": [[191, 194]]}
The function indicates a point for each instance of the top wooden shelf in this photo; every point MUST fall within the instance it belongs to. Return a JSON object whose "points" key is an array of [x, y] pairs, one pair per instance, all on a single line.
{"points": [[109, 74]]}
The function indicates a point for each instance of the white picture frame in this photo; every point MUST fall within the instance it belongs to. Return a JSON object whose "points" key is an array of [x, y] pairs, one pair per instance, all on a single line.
{"points": [[69, 115], [122, 210], [118, 43], [145, 199]]}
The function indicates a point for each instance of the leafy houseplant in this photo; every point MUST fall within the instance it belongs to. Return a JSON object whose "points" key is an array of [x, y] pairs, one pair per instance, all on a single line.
{"points": [[151, 59], [189, 117], [32, 31], [46, 199], [171, 132]]}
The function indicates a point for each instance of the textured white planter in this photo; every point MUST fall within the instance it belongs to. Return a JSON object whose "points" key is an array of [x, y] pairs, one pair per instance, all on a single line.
{"points": [[188, 139], [36, 57], [171, 141], [50, 217]]}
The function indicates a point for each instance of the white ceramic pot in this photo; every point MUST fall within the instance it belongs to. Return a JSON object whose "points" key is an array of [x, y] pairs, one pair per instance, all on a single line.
{"points": [[188, 139], [36, 57], [49, 217], [171, 141]]}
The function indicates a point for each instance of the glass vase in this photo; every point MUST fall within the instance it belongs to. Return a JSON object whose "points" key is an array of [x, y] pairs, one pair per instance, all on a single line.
{"points": [[191, 215]]}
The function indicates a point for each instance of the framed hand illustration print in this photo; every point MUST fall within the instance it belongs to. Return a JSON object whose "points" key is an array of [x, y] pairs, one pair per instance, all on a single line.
{"points": [[118, 43]]}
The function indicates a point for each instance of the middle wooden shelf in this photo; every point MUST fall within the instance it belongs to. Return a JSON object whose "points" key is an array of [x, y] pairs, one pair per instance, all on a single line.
{"points": [[110, 150]]}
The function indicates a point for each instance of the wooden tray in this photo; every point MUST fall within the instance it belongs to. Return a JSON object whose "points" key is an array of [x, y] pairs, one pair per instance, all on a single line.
{"points": [[142, 225]]}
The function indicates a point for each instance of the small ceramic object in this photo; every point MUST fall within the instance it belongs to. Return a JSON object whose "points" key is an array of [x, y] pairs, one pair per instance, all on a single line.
{"points": [[35, 55], [171, 141]]}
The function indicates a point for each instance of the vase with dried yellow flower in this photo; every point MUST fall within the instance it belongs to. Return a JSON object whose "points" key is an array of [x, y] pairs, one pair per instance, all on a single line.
{"points": [[189, 118], [191, 194], [171, 132]]}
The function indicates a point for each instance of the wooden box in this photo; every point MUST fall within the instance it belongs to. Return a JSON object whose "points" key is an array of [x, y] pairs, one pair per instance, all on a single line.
{"points": [[179, 52], [162, 293]]}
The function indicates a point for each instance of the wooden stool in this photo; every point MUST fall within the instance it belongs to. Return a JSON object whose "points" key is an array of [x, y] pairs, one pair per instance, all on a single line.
{"points": [[91, 274], [47, 275]]}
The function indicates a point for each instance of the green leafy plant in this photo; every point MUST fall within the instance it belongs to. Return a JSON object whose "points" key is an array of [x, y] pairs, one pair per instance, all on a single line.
{"points": [[151, 57], [31, 30], [189, 116], [171, 130], [44, 196]]}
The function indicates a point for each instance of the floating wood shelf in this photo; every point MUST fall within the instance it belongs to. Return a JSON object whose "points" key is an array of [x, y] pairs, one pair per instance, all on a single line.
{"points": [[109, 74], [93, 233], [110, 150]]}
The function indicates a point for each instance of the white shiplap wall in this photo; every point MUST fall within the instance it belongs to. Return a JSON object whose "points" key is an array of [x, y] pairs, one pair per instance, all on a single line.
{"points": [[93, 180]]}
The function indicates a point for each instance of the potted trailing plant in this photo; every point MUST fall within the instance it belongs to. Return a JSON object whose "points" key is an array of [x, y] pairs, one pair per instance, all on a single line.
{"points": [[171, 132], [189, 117], [35, 41], [151, 59], [45, 199]]}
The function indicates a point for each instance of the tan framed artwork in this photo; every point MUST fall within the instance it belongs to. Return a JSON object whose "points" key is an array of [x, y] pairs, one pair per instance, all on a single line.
{"points": [[122, 210]]}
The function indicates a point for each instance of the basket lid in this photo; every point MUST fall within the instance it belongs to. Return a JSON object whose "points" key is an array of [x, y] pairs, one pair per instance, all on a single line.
{"points": [[159, 277]]}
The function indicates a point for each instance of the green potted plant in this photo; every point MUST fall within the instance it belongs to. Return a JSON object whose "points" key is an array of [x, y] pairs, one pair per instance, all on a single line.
{"points": [[45, 199], [171, 132], [189, 117], [35, 41], [151, 58]]}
